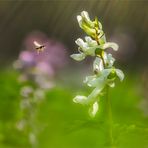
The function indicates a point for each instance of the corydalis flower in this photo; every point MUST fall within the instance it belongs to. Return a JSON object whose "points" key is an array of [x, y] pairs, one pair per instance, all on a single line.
{"points": [[40, 68], [105, 73], [87, 25]]}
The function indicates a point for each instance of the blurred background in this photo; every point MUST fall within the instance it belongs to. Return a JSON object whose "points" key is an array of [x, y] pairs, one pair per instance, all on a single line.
{"points": [[124, 21], [54, 120]]}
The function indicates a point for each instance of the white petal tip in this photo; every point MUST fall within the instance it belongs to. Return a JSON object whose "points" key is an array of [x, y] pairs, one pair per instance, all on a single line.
{"points": [[80, 99], [93, 110]]}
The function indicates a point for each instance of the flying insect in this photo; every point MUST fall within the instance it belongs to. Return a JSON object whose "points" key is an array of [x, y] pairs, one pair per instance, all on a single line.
{"points": [[39, 47]]}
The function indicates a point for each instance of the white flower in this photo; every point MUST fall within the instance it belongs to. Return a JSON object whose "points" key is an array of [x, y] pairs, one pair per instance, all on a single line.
{"points": [[88, 47], [81, 44], [39, 95], [102, 77], [91, 98], [106, 45], [90, 41], [98, 80], [104, 72], [78, 57], [21, 124], [32, 139], [86, 24], [85, 16], [95, 93], [93, 109], [120, 74], [80, 99], [26, 91], [25, 103], [109, 60], [111, 84], [98, 65], [84, 19], [95, 81]]}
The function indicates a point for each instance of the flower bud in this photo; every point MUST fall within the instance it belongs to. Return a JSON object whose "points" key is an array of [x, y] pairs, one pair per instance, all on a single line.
{"points": [[112, 74]]}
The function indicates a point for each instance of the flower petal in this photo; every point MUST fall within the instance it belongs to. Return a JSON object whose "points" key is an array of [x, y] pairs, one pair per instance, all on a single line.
{"points": [[85, 15], [112, 45], [102, 40], [90, 41], [111, 84], [100, 25], [98, 65], [89, 80], [93, 109], [78, 57], [86, 20], [80, 99], [106, 72], [98, 80], [79, 19], [91, 98], [95, 93], [109, 60], [81, 43], [120, 74]]}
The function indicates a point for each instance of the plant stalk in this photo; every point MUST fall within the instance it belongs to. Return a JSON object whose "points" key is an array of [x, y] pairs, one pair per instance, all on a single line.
{"points": [[108, 111], [109, 117]]}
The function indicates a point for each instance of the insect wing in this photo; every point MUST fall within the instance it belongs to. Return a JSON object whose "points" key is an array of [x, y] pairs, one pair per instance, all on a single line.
{"points": [[36, 44]]}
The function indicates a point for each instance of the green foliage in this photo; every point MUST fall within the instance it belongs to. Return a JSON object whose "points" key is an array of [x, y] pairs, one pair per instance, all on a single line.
{"points": [[66, 125]]}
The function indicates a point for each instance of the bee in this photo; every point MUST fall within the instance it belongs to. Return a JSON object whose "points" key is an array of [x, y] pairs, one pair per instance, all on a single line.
{"points": [[39, 47]]}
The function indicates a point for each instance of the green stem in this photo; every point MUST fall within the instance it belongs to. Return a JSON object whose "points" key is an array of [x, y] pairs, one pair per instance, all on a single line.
{"points": [[97, 40], [109, 117], [107, 102], [103, 61]]}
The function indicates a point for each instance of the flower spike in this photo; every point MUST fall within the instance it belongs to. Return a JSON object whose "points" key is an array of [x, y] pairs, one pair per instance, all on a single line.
{"points": [[105, 73]]}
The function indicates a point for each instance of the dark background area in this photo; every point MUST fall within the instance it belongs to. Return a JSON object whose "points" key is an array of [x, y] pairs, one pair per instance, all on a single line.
{"points": [[57, 19]]}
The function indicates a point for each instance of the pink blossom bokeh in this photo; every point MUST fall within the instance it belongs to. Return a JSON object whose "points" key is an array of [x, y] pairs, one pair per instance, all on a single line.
{"points": [[41, 68]]}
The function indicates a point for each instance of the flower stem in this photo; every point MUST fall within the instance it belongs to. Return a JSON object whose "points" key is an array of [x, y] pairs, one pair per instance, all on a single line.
{"points": [[97, 40], [109, 117], [103, 61]]}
